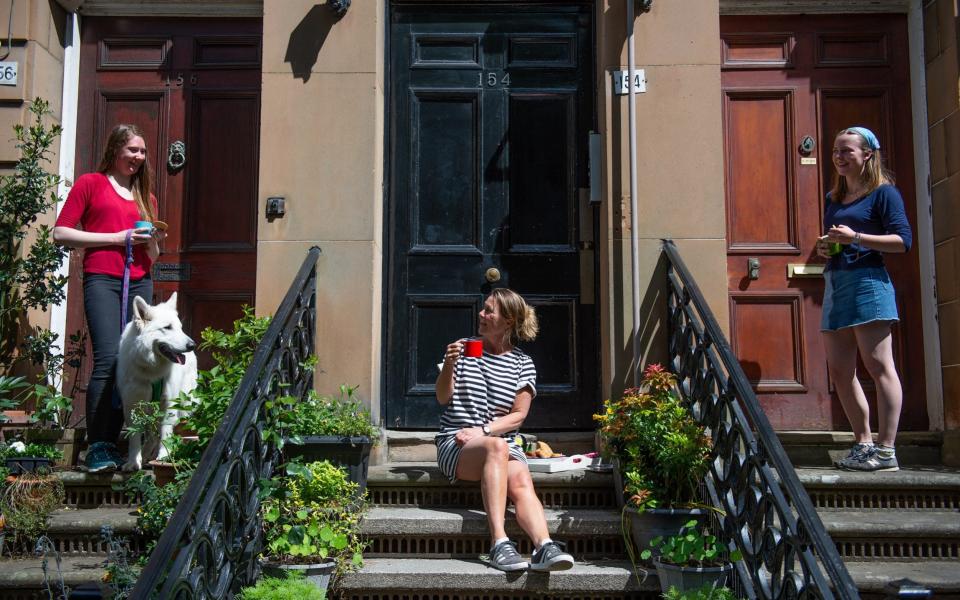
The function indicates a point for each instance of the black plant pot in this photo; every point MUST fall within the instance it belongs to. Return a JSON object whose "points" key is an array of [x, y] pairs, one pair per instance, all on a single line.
{"points": [[653, 522], [351, 453], [18, 465]]}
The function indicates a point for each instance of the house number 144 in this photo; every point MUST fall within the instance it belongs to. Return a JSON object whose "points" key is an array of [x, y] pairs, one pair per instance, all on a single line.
{"points": [[490, 79]]}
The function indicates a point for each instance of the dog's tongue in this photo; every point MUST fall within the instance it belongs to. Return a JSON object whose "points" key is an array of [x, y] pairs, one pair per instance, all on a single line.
{"points": [[181, 359]]}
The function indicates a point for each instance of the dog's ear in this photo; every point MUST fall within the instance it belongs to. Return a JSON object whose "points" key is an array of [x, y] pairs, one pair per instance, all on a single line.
{"points": [[141, 311], [172, 300]]}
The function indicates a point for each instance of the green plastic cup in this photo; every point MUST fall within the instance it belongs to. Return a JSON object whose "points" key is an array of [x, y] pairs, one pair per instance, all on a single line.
{"points": [[835, 248]]}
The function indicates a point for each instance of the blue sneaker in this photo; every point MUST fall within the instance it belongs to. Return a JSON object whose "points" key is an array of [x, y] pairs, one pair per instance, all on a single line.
{"points": [[102, 456]]}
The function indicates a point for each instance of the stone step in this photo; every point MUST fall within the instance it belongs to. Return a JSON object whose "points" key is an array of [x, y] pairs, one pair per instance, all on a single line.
{"points": [[453, 579], [463, 532], [77, 532], [805, 448], [94, 490], [821, 448], [872, 578], [912, 488], [882, 535], [422, 484], [23, 579]]}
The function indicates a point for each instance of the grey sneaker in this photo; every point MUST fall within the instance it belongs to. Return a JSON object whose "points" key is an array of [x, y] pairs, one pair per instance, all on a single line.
{"points": [[504, 556], [869, 461], [857, 450], [552, 556]]}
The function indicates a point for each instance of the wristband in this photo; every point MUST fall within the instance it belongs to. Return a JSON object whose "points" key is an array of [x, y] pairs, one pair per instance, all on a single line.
{"points": [[857, 239]]}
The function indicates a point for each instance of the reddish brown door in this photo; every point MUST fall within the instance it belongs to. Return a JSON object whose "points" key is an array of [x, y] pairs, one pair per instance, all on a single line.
{"points": [[787, 82], [195, 82]]}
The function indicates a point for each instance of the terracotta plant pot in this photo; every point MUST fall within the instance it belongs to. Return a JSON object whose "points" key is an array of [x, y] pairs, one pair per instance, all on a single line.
{"points": [[163, 472]]}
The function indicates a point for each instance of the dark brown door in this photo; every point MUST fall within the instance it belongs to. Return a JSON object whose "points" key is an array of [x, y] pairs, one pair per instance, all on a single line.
{"points": [[196, 82], [789, 84], [490, 113]]}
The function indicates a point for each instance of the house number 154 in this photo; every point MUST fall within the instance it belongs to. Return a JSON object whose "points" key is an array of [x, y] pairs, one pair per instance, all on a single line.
{"points": [[490, 79]]}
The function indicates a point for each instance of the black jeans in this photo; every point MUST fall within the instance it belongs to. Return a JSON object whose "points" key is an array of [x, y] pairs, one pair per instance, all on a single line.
{"points": [[101, 303]]}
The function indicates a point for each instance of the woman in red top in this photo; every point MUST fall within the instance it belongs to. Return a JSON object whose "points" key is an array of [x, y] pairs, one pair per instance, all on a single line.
{"points": [[106, 204]]}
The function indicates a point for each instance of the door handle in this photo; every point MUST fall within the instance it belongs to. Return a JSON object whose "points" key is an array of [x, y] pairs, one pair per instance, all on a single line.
{"points": [[492, 275], [753, 268]]}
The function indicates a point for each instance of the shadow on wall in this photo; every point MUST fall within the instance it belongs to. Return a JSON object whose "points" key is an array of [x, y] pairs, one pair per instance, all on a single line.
{"points": [[307, 38]]}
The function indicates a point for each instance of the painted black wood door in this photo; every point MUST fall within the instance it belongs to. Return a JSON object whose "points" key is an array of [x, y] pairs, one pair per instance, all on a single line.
{"points": [[490, 111]]}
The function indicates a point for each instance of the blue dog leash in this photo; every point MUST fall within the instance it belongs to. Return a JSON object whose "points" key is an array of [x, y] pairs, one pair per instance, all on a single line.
{"points": [[124, 296]]}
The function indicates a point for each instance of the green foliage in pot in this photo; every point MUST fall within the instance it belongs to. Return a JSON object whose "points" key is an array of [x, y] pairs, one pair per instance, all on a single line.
{"points": [[28, 276], [691, 547], [26, 505], [663, 451], [232, 354], [292, 587], [707, 592], [344, 415], [11, 392], [34, 450], [312, 515]]}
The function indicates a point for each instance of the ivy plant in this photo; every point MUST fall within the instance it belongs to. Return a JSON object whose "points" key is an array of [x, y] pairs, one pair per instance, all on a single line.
{"points": [[691, 546]]}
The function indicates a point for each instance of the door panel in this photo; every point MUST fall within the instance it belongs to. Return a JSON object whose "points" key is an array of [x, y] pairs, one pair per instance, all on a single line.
{"points": [[490, 114], [815, 76], [196, 81]]}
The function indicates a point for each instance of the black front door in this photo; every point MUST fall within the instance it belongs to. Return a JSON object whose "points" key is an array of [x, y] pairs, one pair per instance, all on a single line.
{"points": [[491, 106]]}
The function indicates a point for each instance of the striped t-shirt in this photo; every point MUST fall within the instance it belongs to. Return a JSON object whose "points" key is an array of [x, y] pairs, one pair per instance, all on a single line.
{"points": [[485, 388]]}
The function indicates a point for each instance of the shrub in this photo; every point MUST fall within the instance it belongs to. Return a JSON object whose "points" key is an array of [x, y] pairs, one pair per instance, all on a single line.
{"points": [[326, 415], [293, 587]]}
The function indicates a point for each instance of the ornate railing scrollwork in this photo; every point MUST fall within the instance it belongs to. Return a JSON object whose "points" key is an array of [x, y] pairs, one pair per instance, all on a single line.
{"points": [[767, 513], [211, 546]]}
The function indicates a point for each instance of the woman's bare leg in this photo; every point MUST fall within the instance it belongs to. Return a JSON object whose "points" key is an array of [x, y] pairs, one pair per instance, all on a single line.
{"points": [[841, 348], [484, 459], [876, 349], [529, 509]]}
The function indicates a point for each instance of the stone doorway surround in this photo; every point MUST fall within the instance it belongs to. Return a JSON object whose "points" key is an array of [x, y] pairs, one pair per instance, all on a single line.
{"points": [[165, 8]]}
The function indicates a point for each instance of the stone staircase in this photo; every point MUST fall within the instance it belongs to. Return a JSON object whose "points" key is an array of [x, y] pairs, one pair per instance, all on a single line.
{"points": [[427, 536]]}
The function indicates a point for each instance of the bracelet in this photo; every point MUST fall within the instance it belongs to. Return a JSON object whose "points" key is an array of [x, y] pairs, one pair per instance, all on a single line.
{"points": [[857, 239]]}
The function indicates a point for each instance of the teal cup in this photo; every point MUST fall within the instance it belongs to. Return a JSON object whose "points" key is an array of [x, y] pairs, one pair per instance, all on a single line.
{"points": [[144, 225]]}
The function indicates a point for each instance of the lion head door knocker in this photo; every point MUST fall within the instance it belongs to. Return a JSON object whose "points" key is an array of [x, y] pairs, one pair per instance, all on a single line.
{"points": [[176, 157]]}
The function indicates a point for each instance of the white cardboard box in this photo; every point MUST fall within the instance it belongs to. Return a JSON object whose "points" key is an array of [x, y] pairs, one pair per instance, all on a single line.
{"points": [[563, 463]]}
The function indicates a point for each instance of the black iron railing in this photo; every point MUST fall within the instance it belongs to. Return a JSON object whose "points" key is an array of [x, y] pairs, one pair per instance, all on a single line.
{"points": [[766, 512], [211, 546]]}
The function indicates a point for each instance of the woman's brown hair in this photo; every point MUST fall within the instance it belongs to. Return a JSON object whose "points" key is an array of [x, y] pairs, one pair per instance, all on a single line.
{"points": [[524, 326], [874, 173], [141, 182]]}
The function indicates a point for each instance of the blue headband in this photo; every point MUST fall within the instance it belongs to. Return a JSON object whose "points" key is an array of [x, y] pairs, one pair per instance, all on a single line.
{"points": [[867, 135]]}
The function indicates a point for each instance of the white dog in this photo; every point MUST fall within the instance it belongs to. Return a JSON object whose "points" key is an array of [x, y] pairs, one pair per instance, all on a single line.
{"points": [[154, 347]]}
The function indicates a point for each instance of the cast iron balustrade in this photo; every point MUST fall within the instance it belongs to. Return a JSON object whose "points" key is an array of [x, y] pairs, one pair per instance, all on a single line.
{"points": [[211, 546], [767, 513]]}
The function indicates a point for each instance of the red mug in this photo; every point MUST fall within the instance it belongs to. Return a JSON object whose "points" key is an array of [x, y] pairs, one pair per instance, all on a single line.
{"points": [[473, 348]]}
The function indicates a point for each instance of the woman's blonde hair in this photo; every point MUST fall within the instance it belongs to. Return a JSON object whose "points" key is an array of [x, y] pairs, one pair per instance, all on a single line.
{"points": [[874, 173], [514, 308], [141, 180]]}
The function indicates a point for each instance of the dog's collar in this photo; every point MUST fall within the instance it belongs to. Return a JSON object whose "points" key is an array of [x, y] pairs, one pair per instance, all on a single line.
{"points": [[157, 387]]}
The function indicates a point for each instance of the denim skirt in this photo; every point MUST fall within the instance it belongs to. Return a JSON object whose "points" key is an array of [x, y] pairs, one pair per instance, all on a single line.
{"points": [[857, 296]]}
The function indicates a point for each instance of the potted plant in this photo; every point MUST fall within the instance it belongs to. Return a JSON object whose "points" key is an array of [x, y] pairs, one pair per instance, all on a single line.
{"points": [[691, 559], [26, 504], [312, 521], [707, 592], [293, 585], [335, 429], [22, 458], [661, 454]]}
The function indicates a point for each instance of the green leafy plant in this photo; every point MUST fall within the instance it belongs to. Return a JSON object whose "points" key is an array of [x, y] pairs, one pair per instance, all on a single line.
{"points": [[26, 504], [34, 450], [707, 592], [232, 354], [157, 503], [314, 514], [28, 277], [691, 546], [11, 393], [294, 586], [662, 450], [120, 575], [344, 415]]}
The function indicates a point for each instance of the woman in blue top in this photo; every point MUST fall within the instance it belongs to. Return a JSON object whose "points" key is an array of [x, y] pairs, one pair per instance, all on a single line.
{"points": [[864, 214]]}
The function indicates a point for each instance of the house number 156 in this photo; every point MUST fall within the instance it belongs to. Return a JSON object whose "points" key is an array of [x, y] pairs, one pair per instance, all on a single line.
{"points": [[490, 79]]}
